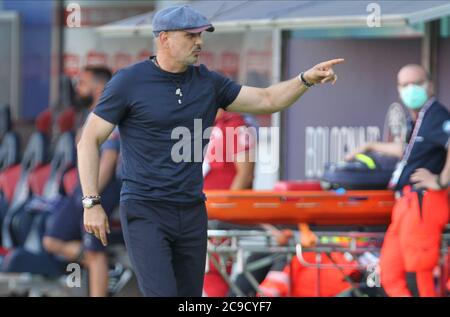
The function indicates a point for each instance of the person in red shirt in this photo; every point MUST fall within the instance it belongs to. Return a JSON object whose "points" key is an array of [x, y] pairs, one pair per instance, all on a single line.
{"points": [[229, 161], [229, 164]]}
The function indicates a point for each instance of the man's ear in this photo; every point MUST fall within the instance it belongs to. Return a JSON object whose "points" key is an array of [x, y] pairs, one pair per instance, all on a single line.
{"points": [[163, 37]]}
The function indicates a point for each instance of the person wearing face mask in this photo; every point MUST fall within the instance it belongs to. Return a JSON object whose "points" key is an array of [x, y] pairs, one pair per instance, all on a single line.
{"points": [[411, 246]]}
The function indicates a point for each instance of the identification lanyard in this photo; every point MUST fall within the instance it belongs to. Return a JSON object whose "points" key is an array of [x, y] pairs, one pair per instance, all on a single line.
{"points": [[407, 153]]}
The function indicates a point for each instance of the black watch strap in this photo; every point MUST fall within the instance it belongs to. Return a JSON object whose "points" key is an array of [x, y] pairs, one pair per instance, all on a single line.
{"points": [[307, 84]]}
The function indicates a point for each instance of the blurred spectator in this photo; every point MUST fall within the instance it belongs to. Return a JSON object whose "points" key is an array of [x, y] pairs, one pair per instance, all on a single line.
{"points": [[65, 235], [89, 88], [229, 164]]}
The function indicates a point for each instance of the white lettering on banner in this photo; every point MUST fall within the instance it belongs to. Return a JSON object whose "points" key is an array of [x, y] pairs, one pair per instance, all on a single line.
{"points": [[328, 145], [316, 152]]}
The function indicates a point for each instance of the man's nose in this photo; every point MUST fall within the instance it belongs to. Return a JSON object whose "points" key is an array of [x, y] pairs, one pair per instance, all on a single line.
{"points": [[198, 40]]}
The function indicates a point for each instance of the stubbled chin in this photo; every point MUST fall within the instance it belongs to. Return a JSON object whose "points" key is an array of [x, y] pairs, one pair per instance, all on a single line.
{"points": [[192, 60]]}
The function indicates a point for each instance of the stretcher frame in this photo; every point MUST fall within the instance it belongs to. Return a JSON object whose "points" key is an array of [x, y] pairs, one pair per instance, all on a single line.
{"points": [[235, 247]]}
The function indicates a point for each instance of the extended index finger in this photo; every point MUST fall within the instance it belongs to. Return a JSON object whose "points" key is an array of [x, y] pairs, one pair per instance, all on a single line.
{"points": [[332, 62], [102, 236]]}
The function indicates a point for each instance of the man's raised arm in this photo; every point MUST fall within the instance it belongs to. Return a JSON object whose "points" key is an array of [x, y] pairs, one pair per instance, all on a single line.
{"points": [[282, 95]]}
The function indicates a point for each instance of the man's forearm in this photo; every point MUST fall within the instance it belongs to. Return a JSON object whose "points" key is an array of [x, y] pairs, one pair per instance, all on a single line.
{"points": [[268, 100], [386, 148], [107, 168], [280, 96], [245, 167], [95, 132], [88, 166], [242, 181], [284, 94]]}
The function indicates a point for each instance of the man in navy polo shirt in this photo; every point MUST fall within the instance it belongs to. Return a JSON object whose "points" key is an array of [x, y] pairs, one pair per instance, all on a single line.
{"points": [[163, 212], [411, 246]]}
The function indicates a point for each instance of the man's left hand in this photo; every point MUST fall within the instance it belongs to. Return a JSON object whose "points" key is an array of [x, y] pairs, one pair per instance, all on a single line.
{"points": [[322, 73], [424, 179]]}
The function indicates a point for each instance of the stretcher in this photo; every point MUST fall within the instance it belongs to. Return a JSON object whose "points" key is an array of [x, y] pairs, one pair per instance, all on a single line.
{"points": [[294, 207], [367, 209]]}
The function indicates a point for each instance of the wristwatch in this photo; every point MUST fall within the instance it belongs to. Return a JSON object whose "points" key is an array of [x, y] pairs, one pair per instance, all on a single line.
{"points": [[303, 80], [91, 201]]}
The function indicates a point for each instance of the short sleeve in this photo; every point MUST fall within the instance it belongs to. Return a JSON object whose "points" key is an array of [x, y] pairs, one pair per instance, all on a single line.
{"points": [[113, 103], [226, 89]]}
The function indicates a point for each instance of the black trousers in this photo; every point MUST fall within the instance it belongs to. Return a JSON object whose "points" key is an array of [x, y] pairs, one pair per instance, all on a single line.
{"points": [[166, 244]]}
